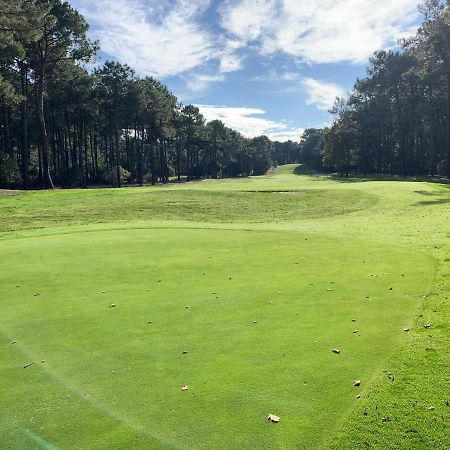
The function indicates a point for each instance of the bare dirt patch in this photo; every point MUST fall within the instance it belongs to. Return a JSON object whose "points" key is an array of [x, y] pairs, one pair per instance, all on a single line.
{"points": [[8, 192]]}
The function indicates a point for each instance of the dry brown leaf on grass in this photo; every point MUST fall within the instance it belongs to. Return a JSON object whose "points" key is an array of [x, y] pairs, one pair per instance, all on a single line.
{"points": [[272, 418]]}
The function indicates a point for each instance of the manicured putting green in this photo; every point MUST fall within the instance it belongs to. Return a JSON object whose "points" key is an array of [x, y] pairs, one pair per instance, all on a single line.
{"points": [[258, 313]]}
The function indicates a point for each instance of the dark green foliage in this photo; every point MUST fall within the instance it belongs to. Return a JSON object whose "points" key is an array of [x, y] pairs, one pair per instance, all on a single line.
{"points": [[397, 119], [312, 148], [61, 125]]}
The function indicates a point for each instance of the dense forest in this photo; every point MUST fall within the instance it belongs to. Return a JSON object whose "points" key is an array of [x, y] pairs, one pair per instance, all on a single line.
{"points": [[397, 119], [63, 126]]}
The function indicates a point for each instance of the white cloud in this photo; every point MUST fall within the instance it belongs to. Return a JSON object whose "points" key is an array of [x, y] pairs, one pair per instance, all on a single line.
{"points": [[248, 19], [198, 83], [230, 61], [251, 122], [320, 93], [320, 31], [155, 38], [273, 75]]}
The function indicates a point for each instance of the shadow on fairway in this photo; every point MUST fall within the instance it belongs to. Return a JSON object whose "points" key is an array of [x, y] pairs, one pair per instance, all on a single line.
{"points": [[435, 198]]}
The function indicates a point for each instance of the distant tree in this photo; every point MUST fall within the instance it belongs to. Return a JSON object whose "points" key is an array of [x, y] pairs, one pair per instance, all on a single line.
{"points": [[312, 145]]}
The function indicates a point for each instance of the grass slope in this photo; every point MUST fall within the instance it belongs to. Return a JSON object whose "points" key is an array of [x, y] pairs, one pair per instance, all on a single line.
{"points": [[272, 282]]}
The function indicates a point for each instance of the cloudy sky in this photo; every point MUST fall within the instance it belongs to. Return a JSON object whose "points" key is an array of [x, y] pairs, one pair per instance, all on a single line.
{"points": [[269, 67]]}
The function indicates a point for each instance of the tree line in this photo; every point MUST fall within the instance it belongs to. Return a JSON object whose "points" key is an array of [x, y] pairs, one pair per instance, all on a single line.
{"points": [[64, 126], [397, 119]]}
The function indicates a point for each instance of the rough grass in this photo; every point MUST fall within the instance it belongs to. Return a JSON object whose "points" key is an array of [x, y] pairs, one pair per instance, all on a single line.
{"points": [[111, 379], [43, 209]]}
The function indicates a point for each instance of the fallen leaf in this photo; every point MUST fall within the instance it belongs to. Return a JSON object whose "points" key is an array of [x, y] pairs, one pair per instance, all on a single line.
{"points": [[272, 418]]}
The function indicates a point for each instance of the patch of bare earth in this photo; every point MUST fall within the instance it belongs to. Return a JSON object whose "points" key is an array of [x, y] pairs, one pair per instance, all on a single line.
{"points": [[288, 192], [8, 192]]}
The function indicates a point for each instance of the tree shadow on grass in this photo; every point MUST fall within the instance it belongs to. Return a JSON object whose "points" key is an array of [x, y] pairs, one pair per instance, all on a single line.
{"points": [[435, 198]]}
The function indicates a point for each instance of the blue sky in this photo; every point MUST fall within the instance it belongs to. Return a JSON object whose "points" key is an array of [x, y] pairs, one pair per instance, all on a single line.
{"points": [[268, 67]]}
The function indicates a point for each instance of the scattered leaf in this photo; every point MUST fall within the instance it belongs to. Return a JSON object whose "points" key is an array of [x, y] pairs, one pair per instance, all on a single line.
{"points": [[272, 418]]}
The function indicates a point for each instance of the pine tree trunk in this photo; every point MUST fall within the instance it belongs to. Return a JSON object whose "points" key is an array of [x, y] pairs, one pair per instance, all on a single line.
{"points": [[25, 161], [47, 179]]}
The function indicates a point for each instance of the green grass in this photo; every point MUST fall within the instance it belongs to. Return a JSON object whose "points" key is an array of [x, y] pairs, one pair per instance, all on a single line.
{"points": [[40, 210], [191, 268]]}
